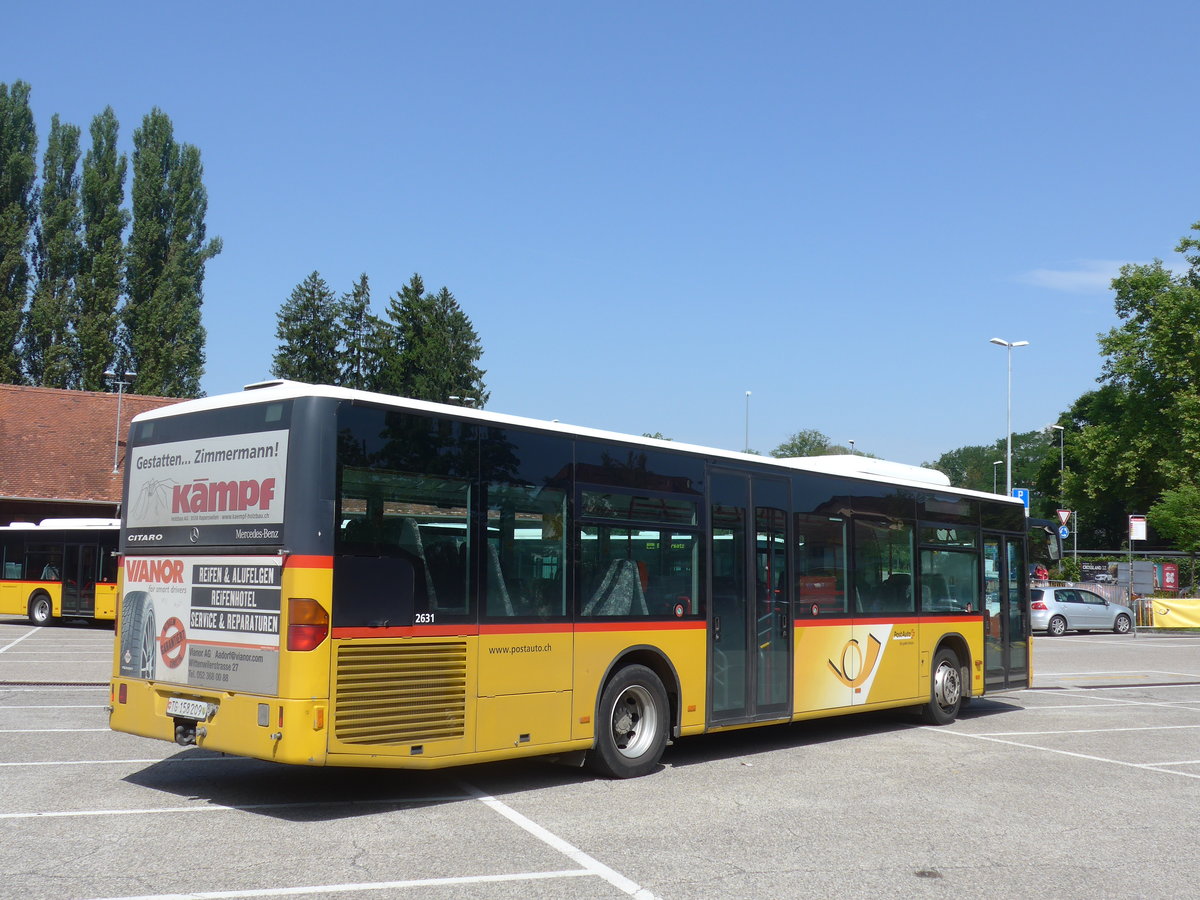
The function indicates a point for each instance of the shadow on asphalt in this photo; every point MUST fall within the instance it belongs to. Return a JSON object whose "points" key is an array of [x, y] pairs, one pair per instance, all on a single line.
{"points": [[303, 794]]}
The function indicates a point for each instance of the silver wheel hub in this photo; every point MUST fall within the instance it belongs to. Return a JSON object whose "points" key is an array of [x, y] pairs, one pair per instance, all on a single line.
{"points": [[947, 686], [634, 721]]}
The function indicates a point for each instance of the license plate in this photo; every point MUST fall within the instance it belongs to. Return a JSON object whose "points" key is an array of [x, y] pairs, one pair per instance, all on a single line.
{"points": [[189, 709]]}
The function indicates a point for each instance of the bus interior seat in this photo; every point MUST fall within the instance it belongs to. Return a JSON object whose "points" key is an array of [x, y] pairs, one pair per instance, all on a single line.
{"points": [[448, 570], [409, 540], [620, 592]]}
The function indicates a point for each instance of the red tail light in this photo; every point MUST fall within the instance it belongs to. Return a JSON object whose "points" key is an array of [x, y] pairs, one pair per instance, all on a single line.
{"points": [[1038, 604], [308, 624]]}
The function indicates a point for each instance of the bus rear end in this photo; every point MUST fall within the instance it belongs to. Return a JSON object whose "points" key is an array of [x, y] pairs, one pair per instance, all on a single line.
{"points": [[222, 636]]}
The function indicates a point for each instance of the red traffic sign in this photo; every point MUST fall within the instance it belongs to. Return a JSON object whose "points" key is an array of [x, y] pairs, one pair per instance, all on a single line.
{"points": [[1064, 516]]}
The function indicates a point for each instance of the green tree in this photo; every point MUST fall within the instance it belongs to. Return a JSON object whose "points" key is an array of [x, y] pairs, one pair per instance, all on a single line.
{"points": [[364, 339], [1139, 434], [1176, 516], [50, 349], [309, 333], [103, 255], [164, 336], [438, 348], [973, 468], [18, 169], [810, 442]]}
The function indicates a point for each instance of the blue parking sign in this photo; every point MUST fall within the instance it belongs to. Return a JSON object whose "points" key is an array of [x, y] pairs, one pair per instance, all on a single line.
{"points": [[1022, 494]]}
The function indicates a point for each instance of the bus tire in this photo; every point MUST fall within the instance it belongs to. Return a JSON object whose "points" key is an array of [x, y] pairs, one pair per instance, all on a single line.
{"points": [[631, 725], [138, 643], [41, 611], [945, 689]]}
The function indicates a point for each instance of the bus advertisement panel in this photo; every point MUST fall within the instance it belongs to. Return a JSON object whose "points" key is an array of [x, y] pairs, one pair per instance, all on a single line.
{"points": [[219, 491], [203, 621]]}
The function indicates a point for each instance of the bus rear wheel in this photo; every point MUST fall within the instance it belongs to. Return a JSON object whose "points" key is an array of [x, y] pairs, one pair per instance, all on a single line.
{"points": [[945, 689], [631, 728], [40, 610]]}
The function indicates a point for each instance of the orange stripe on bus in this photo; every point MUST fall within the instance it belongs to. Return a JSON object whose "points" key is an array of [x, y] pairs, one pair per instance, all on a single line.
{"points": [[299, 561]]}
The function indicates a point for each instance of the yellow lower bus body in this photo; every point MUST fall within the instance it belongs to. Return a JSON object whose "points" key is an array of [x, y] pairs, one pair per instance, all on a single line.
{"points": [[429, 702], [16, 597]]}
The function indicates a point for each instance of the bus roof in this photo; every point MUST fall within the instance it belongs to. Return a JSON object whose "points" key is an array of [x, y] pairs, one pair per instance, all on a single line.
{"points": [[861, 467], [63, 525]]}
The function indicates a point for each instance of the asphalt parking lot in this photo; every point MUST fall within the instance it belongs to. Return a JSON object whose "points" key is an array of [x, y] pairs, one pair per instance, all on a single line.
{"points": [[1085, 786]]}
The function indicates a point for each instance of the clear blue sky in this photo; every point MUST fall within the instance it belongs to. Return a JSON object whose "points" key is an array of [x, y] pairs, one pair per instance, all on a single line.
{"points": [[648, 209]]}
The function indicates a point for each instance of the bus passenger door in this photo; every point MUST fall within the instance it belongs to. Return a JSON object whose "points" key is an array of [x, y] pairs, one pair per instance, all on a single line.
{"points": [[750, 659], [80, 566], [1005, 615]]}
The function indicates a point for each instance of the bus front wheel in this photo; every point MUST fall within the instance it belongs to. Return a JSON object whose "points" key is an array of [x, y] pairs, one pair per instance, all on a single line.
{"points": [[40, 610], [631, 729], [945, 689]]}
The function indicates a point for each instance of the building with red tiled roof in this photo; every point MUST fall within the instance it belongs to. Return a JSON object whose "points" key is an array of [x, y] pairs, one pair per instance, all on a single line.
{"points": [[57, 450]]}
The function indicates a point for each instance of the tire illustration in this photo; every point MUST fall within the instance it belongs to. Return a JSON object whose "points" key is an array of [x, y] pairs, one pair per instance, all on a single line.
{"points": [[945, 690], [1122, 625], [631, 727], [40, 610], [1057, 627], [138, 636]]}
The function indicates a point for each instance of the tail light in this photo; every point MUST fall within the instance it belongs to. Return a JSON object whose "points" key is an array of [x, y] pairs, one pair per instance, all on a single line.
{"points": [[308, 624], [1038, 604]]}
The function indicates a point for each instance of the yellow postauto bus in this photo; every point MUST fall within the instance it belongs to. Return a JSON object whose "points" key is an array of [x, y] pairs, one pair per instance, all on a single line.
{"points": [[322, 576], [59, 568]]}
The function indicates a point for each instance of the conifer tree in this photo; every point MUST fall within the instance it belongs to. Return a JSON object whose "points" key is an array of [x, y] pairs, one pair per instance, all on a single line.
{"points": [[103, 254], [49, 343], [363, 338], [438, 347], [18, 168], [309, 333], [164, 337]]}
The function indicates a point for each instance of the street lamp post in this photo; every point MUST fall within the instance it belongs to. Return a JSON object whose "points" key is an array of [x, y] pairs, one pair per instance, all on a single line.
{"points": [[998, 462], [851, 443], [121, 384], [1062, 492], [747, 445], [1008, 446]]}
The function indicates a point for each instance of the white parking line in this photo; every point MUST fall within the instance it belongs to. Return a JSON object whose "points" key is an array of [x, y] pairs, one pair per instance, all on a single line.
{"points": [[1152, 767], [50, 730], [594, 866], [58, 706], [220, 807], [1089, 730], [114, 762], [18, 640], [365, 886]]}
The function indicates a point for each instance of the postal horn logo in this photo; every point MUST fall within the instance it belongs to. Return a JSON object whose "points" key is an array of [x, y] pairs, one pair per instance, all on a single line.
{"points": [[855, 670]]}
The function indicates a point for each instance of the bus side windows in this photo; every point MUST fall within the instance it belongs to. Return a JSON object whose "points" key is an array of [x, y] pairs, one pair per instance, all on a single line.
{"points": [[819, 563]]}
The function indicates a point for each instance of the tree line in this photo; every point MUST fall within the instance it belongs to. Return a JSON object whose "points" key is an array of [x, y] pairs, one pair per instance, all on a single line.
{"points": [[89, 284], [1132, 445], [424, 347]]}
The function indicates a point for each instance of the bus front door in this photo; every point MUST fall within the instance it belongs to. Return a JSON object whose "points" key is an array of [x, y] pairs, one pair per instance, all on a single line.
{"points": [[80, 566], [1005, 616], [750, 653]]}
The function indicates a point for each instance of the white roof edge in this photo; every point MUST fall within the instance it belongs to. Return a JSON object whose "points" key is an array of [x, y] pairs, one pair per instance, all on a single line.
{"points": [[881, 470], [849, 464], [61, 524]]}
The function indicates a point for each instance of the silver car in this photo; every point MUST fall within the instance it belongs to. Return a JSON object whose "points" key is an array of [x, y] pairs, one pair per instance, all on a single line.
{"points": [[1057, 610]]}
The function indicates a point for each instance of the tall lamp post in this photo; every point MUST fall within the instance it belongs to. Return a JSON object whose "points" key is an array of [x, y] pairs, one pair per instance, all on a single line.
{"points": [[747, 445], [121, 382], [998, 462], [1008, 446], [1062, 492]]}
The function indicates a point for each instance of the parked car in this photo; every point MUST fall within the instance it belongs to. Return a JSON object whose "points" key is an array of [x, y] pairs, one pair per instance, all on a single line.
{"points": [[1061, 609]]}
